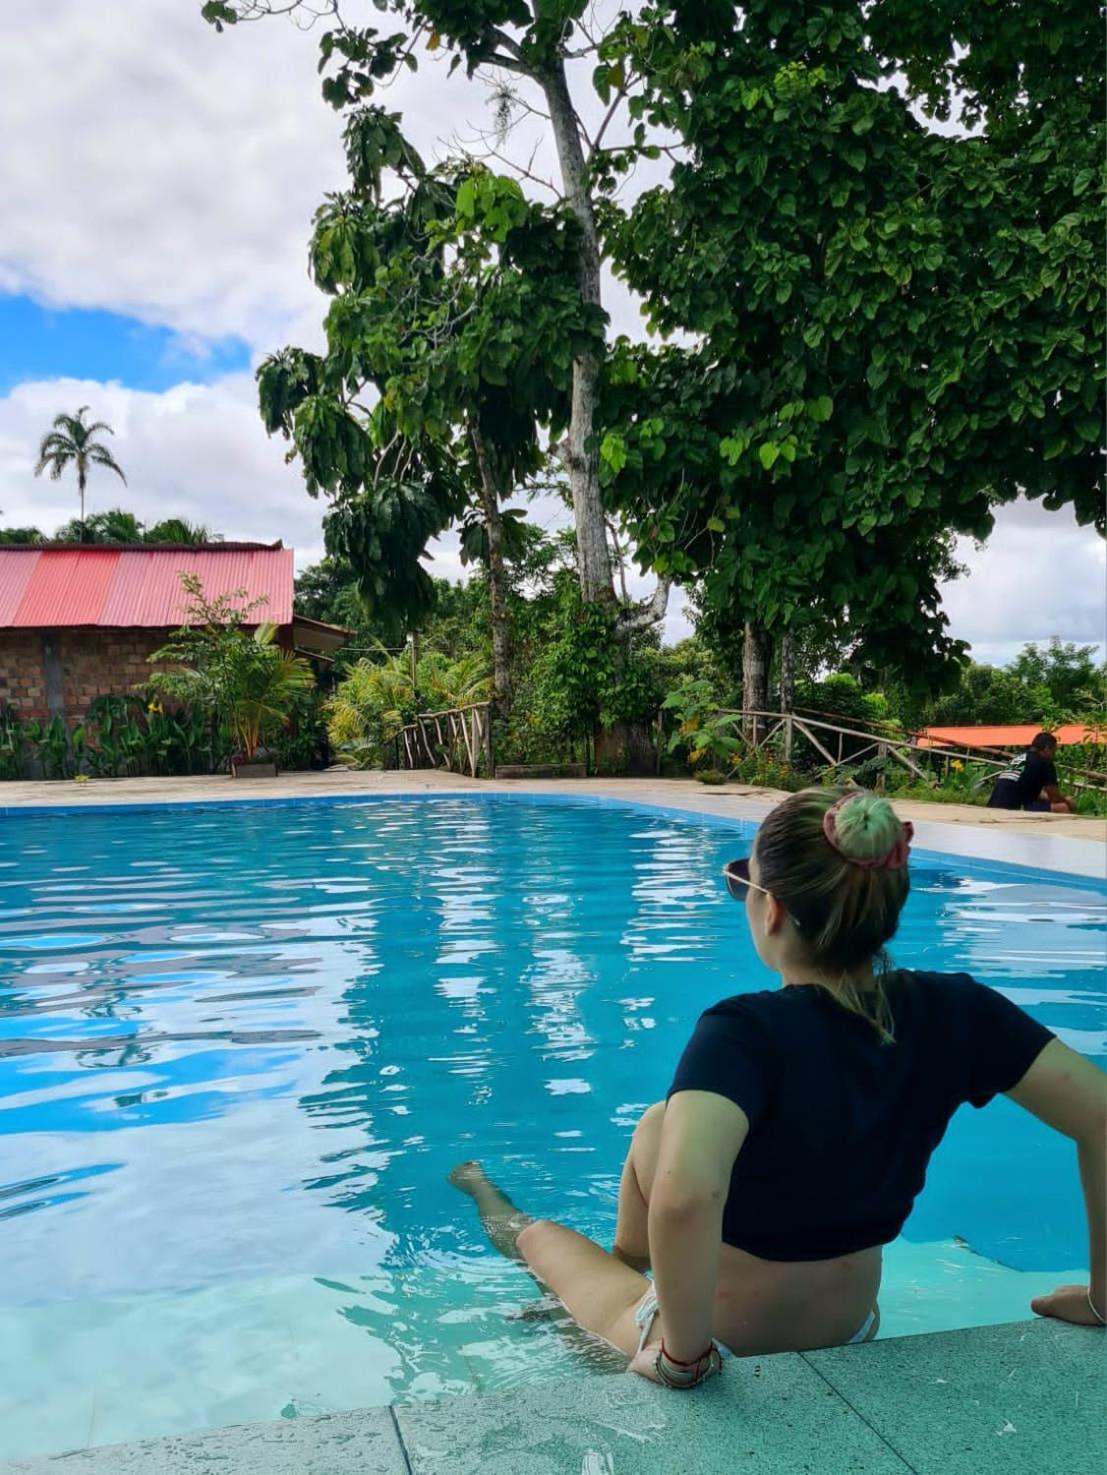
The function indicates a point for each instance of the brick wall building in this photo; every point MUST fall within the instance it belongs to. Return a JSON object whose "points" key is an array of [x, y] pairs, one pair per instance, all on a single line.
{"points": [[81, 622], [73, 667]]}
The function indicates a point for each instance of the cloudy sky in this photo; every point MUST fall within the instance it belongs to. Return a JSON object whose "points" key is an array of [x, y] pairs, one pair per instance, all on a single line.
{"points": [[156, 192]]}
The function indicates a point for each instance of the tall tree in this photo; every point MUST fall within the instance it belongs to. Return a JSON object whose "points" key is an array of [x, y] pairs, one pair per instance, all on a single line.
{"points": [[455, 307], [534, 43], [70, 443], [895, 329]]}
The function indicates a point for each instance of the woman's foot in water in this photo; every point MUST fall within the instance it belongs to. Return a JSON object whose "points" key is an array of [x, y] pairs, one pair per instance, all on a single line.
{"points": [[468, 1176], [502, 1221]]}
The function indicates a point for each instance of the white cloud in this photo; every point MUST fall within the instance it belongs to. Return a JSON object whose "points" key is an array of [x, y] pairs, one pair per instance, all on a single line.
{"points": [[162, 170], [1039, 574], [196, 451]]}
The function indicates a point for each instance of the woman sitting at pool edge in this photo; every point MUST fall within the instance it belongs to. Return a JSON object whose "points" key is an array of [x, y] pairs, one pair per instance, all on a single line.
{"points": [[801, 1120]]}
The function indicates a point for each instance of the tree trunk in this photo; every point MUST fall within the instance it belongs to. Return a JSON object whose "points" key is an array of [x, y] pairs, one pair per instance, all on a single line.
{"points": [[756, 660], [582, 462], [787, 672], [497, 575]]}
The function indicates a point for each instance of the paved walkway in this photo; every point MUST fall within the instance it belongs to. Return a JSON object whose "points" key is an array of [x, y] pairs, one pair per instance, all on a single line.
{"points": [[1023, 1399]]}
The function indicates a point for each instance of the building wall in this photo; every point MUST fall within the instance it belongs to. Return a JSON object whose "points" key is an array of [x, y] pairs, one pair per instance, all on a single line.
{"points": [[90, 663], [22, 675]]}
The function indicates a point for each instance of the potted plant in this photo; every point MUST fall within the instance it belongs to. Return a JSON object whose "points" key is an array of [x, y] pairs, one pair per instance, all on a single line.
{"points": [[244, 681]]}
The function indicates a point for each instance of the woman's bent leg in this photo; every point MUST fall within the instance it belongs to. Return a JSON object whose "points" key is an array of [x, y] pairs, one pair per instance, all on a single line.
{"points": [[632, 1240]]}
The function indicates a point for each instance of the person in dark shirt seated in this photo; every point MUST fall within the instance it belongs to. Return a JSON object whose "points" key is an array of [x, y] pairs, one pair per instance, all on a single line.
{"points": [[1033, 787], [801, 1120]]}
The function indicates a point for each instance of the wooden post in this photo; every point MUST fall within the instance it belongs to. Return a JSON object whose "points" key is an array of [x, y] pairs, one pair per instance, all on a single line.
{"points": [[488, 757], [882, 754], [788, 731]]}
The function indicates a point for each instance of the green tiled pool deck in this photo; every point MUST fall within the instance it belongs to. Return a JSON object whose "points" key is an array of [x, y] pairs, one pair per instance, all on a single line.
{"points": [[1028, 1398]]}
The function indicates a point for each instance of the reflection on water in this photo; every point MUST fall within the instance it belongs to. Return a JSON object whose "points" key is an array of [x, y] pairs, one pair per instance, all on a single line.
{"points": [[240, 1050]]}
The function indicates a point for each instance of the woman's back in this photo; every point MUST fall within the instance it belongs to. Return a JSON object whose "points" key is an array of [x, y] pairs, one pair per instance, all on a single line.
{"points": [[842, 1124]]}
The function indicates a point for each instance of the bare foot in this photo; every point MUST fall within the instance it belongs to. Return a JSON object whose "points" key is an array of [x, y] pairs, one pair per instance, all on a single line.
{"points": [[468, 1177]]}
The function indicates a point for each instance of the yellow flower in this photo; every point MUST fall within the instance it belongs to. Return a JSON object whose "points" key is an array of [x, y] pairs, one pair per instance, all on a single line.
{"points": [[153, 707], [957, 766]]}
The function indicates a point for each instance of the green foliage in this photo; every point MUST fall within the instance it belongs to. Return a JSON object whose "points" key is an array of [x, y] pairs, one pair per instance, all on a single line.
{"points": [[914, 333], [1066, 678], [368, 709], [703, 734], [11, 742], [53, 746], [377, 698], [245, 681]]}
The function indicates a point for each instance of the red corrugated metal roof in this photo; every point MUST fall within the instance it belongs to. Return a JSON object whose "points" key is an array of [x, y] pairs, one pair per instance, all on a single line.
{"points": [[1002, 737], [46, 588]]}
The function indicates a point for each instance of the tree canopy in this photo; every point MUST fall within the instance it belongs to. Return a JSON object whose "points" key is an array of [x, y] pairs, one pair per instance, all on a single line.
{"points": [[894, 329]]}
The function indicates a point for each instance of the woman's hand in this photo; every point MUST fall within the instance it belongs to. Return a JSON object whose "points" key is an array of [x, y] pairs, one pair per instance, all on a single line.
{"points": [[644, 1363], [1068, 1303]]}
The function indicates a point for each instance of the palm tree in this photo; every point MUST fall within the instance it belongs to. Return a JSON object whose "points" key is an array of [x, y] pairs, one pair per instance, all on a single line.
{"points": [[113, 526], [178, 530], [70, 440]]}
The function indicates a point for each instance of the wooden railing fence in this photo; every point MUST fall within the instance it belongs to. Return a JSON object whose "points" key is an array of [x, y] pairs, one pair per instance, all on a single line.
{"points": [[829, 740], [460, 741]]}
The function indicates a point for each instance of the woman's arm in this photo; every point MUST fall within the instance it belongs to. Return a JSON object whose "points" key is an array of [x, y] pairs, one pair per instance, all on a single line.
{"points": [[1069, 1094], [700, 1139]]}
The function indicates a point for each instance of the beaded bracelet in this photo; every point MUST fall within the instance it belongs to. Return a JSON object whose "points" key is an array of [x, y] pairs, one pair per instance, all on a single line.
{"points": [[707, 1364]]}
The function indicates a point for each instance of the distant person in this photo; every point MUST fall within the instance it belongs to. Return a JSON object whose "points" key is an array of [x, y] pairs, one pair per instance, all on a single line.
{"points": [[1033, 786]]}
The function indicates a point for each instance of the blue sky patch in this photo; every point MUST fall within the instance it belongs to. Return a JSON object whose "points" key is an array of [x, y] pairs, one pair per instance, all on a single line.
{"points": [[39, 342]]}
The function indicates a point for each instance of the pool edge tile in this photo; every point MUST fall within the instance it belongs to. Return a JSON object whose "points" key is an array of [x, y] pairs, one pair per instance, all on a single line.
{"points": [[1020, 1398], [364, 1442], [765, 1416]]}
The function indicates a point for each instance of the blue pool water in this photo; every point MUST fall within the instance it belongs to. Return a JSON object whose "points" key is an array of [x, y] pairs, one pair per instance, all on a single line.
{"points": [[241, 1048]]}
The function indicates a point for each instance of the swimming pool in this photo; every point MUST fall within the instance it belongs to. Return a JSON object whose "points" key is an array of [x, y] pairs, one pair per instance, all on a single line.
{"points": [[240, 1048]]}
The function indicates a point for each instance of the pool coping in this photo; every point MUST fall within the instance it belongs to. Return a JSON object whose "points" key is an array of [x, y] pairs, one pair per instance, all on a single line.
{"points": [[1001, 845], [1014, 1399]]}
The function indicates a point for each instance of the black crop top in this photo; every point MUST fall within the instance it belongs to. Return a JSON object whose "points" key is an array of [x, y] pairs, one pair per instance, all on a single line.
{"points": [[842, 1126]]}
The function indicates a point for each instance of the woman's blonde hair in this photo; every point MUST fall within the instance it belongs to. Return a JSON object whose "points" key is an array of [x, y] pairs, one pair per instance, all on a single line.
{"points": [[835, 859]]}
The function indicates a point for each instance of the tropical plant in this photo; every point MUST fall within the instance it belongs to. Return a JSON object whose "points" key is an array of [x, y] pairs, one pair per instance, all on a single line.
{"points": [[242, 680], [116, 525], [11, 742], [369, 708], [56, 747], [70, 443], [705, 735], [455, 313], [177, 530]]}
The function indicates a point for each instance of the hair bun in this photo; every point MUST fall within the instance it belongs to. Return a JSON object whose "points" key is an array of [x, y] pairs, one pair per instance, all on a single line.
{"points": [[866, 827]]}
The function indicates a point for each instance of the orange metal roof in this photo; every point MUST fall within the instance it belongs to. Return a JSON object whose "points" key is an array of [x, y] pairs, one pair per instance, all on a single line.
{"points": [[1002, 737], [48, 588]]}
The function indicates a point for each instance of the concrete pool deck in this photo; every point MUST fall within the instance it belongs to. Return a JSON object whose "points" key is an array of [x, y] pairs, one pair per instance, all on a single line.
{"points": [[1028, 1398], [1070, 843]]}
